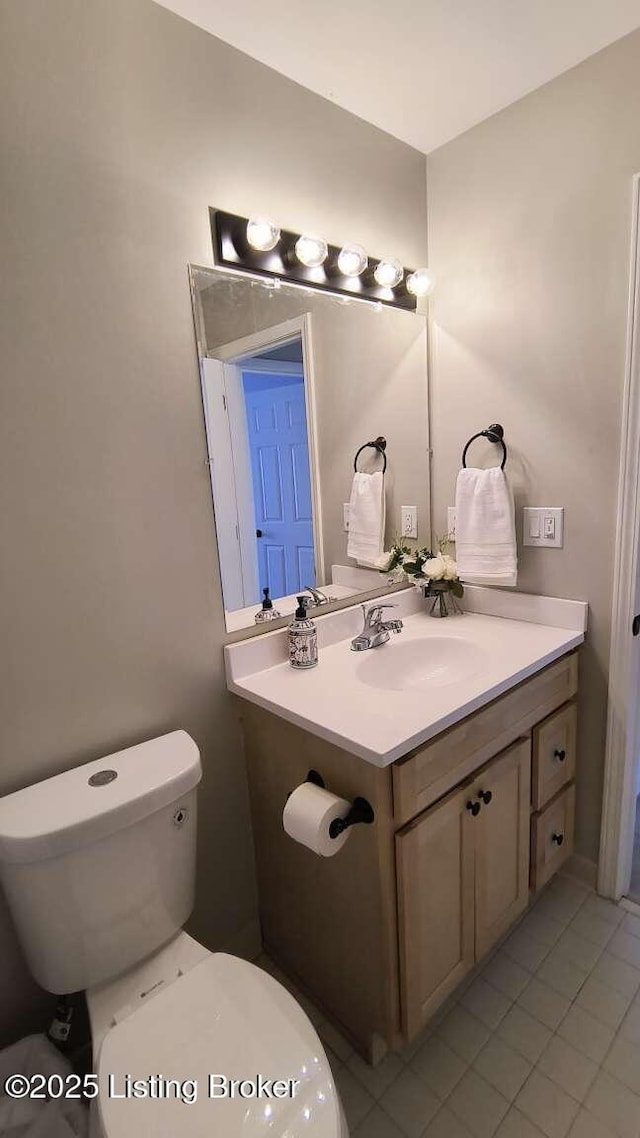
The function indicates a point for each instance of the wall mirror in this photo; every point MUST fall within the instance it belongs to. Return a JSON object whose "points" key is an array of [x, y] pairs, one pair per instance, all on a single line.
{"points": [[293, 384]]}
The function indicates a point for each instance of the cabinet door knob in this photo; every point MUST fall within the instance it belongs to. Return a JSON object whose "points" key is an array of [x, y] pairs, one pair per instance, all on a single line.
{"points": [[486, 796], [557, 838], [474, 808], [560, 754]]}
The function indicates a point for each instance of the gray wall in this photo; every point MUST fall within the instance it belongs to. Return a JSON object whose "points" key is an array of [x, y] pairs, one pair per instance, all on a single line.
{"points": [[529, 227], [120, 125]]}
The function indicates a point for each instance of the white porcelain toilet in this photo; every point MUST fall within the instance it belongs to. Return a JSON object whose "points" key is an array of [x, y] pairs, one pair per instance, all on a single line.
{"points": [[98, 866]]}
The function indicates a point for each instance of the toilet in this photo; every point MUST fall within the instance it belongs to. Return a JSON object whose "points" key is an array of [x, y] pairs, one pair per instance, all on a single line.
{"points": [[98, 866]]}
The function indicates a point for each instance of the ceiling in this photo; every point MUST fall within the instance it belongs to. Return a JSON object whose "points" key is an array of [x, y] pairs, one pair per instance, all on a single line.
{"points": [[423, 70]]}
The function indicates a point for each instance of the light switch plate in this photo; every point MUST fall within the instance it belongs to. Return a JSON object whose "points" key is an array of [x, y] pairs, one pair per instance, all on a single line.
{"points": [[451, 522], [409, 521], [543, 526], [346, 507]]}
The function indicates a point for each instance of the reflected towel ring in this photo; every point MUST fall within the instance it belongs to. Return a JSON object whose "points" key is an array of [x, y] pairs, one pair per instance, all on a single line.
{"points": [[495, 434], [378, 444]]}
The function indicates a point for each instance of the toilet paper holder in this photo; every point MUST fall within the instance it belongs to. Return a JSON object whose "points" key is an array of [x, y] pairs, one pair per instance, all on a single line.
{"points": [[361, 811]]}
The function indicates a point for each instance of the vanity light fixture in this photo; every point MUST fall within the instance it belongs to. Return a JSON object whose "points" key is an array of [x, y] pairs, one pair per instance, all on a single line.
{"points": [[388, 273], [311, 251], [262, 234], [257, 247], [352, 260], [420, 282]]}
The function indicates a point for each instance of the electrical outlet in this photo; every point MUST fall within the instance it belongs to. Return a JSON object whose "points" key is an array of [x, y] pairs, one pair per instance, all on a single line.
{"points": [[451, 522], [346, 508], [409, 521]]}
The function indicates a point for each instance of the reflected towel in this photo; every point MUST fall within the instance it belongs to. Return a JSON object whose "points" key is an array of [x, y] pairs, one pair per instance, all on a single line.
{"points": [[366, 518], [485, 528]]}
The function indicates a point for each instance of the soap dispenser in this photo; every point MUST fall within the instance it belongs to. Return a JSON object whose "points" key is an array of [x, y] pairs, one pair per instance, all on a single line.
{"points": [[303, 639], [267, 612]]}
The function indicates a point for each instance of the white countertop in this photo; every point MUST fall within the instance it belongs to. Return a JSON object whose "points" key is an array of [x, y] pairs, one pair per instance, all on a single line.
{"points": [[354, 700]]}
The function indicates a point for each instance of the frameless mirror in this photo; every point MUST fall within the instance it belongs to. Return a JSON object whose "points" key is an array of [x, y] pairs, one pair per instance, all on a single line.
{"points": [[294, 383]]}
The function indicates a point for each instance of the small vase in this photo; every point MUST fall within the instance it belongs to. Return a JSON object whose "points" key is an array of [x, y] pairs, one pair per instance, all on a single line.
{"points": [[443, 602]]}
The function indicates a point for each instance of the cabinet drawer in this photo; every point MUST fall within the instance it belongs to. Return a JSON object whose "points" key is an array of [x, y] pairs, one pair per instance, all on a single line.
{"points": [[552, 837], [554, 755], [429, 773]]}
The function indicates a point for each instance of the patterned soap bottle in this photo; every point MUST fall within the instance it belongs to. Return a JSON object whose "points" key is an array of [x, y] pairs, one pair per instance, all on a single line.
{"points": [[303, 639]]}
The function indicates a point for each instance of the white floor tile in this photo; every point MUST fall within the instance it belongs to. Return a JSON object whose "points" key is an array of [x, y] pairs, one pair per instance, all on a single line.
{"points": [[630, 1027], [587, 1125], [592, 928], [478, 1105], [545, 1104], [525, 950], [595, 906], [515, 1125], [627, 947], [562, 975], [486, 1003], [525, 1034], [542, 928], [410, 1104], [604, 1003], [439, 1066], [507, 976], [503, 1067], [615, 1105], [377, 1124], [356, 1101], [544, 1004], [375, 1079], [631, 924], [567, 1067], [446, 1125], [586, 1034], [463, 1033], [617, 974], [579, 951], [623, 1062]]}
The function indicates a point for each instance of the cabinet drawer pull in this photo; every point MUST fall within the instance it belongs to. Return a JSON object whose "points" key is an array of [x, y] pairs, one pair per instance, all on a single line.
{"points": [[486, 796], [557, 838], [560, 754], [474, 808]]}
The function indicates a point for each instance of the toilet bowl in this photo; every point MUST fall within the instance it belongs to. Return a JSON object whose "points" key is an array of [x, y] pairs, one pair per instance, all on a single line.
{"points": [[98, 866]]}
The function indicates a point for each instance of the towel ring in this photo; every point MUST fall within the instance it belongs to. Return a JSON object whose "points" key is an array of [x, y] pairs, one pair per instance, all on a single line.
{"points": [[378, 444], [495, 434]]}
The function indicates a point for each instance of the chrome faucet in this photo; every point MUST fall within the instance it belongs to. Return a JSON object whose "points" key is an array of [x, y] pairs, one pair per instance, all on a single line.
{"points": [[375, 630], [318, 597]]}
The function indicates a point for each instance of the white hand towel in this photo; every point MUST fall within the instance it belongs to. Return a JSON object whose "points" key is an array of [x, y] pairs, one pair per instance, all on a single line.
{"points": [[485, 528], [366, 518]]}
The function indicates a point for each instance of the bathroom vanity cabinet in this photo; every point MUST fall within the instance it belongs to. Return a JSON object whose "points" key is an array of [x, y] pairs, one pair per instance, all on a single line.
{"points": [[466, 827]]}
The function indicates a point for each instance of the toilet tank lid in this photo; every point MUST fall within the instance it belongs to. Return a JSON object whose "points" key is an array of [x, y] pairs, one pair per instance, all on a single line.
{"points": [[89, 802]]}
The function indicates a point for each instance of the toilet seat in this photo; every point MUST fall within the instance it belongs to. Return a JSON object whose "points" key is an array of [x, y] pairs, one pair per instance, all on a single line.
{"points": [[224, 1018]]}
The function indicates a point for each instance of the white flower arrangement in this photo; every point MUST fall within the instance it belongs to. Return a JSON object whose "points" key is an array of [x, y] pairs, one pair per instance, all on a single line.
{"points": [[421, 565]]}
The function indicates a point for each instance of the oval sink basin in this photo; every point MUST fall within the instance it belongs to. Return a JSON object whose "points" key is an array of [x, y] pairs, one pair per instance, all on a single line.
{"points": [[422, 664]]}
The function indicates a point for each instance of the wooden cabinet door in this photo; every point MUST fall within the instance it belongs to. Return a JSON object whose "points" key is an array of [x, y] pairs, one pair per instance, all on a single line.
{"points": [[434, 860], [501, 843]]}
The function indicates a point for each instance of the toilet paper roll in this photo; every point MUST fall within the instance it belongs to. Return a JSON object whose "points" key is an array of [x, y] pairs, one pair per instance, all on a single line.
{"points": [[308, 813]]}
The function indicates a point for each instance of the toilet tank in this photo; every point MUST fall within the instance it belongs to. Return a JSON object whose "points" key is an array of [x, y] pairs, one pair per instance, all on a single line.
{"points": [[98, 863]]}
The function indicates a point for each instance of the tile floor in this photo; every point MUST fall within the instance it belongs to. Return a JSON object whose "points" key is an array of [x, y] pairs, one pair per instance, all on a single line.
{"points": [[544, 1040]]}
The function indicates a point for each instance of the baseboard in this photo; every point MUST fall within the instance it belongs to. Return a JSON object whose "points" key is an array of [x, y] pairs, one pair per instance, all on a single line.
{"points": [[582, 869], [247, 942]]}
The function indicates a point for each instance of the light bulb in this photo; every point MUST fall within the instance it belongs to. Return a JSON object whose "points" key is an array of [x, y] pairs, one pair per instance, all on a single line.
{"points": [[311, 251], [262, 234], [388, 273], [421, 282], [352, 260]]}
